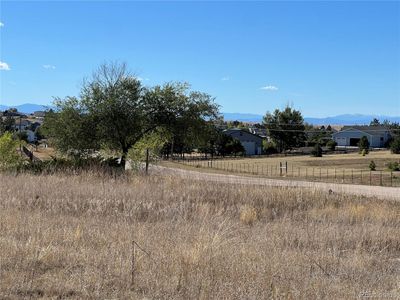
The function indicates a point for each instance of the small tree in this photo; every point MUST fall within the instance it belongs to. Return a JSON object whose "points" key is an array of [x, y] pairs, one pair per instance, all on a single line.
{"points": [[372, 165], [317, 151], [331, 144], [286, 128], [9, 157], [395, 145], [269, 147], [6, 124], [374, 122], [236, 147], [363, 145], [153, 142], [22, 136], [393, 166]]}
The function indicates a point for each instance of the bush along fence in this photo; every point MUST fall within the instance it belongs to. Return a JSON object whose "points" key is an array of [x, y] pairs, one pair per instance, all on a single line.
{"points": [[284, 169]]}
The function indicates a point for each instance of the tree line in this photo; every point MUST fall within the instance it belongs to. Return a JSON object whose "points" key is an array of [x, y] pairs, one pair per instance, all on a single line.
{"points": [[115, 113]]}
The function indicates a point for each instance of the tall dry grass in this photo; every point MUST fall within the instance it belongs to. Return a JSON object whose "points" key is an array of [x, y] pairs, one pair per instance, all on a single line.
{"points": [[72, 237]]}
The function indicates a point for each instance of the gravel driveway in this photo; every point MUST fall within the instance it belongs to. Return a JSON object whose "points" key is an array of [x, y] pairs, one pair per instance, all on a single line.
{"points": [[390, 193]]}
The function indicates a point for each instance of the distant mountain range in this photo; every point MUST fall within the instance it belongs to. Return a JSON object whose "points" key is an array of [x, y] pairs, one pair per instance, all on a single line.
{"points": [[347, 119], [26, 108]]}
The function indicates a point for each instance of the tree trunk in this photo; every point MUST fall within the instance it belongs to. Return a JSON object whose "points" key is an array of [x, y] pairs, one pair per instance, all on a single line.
{"points": [[172, 149], [123, 157]]}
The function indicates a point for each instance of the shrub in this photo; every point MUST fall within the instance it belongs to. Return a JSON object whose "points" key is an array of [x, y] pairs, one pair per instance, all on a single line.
{"points": [[331, 144], [9, 157], [153, 142], [269, 147], [72, 165], [395, 145], [393, 166], [372, 165], [317, 151], [363, 145]]}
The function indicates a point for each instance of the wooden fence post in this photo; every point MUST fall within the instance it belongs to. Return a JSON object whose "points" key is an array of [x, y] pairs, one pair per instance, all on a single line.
{"points": [[147, 161], [381, 179]]}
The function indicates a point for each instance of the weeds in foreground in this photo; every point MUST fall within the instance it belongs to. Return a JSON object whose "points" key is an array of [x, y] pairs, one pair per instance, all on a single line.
{"points": [[73, 236]]}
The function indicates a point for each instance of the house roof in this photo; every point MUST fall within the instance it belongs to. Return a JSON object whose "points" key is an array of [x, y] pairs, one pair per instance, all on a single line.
{"points": [[371, 130], [238, 130]]}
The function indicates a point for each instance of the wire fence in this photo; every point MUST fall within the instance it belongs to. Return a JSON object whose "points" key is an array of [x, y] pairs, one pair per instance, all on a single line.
{"points": [[287, 170]]}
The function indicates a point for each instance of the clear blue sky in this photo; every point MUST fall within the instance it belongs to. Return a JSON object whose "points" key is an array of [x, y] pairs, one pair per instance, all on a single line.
{"points": [[324, 58]]}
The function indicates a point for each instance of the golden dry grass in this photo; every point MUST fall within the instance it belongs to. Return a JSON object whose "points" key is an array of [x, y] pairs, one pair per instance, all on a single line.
{"points": [[71, 237]]}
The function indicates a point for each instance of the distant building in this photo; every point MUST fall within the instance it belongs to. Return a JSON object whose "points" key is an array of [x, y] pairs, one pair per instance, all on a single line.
{"points": [[377, 136], [251, 143], [39, 114], [21, 124]]}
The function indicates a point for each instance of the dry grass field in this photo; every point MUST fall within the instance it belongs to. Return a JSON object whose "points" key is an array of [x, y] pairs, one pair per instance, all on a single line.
{"points": [[72, 237]]}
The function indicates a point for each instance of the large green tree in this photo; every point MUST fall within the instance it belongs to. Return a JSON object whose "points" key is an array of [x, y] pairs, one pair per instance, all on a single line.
{"points": [[286, 128], [114, 111], [186, 115], [6, 123], [9, 157]]}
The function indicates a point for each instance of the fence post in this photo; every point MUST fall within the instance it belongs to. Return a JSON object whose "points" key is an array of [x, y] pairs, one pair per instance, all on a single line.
{"points": [[306, 172], [352, 176], [147, 161], [391, 178], [335, 174], [320, 174], [286, 167], [370, 177], [298, 172], [280, 168], [380, 181], [343, 176]]}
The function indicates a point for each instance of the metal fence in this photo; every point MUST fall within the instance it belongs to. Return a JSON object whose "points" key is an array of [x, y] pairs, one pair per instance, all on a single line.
{"points": [[290, 170]]}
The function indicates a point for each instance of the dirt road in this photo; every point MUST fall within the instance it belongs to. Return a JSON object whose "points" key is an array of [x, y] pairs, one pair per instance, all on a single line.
{"points": [[390, 193]]}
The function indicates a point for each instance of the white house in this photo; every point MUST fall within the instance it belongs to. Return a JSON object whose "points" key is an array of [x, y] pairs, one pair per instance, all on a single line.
{"points": [[377, 136]]}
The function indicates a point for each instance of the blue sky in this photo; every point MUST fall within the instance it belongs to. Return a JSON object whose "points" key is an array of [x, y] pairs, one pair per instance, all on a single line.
{"points": [[325, 58]]}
